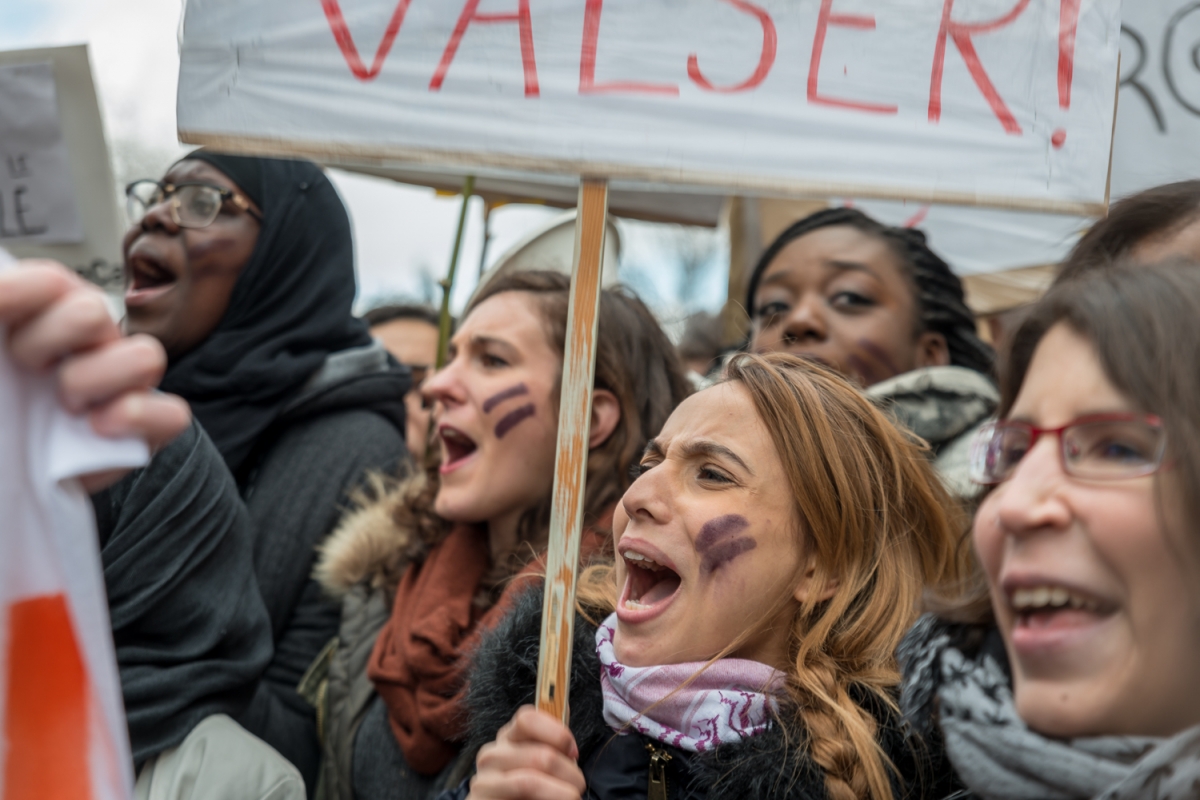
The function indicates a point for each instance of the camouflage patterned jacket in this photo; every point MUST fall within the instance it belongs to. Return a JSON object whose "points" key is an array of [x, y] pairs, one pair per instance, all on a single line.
{"points": [[945, 406]]}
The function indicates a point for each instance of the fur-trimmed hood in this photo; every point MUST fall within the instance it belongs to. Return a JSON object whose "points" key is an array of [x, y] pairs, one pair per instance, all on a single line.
{"points": [[369, 545], [774, 764]]}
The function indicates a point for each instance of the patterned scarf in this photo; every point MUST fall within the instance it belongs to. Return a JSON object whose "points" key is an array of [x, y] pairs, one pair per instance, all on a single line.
{"points": [[1000, 758], [728, 700]]}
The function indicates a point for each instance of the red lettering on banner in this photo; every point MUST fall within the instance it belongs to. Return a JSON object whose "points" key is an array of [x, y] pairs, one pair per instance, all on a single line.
{"points": [[1068, 22], [765, 60], [961, 33], [470, 14], [917, 218], [345, 42], [825, 18], [587, 61]]}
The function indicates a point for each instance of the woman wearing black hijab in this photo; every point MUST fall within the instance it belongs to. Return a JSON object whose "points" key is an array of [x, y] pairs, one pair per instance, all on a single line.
{"points": [[244, 269]]}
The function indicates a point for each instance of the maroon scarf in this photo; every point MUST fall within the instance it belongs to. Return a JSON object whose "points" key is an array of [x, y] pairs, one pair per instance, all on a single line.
{"points": [[418, 665]]}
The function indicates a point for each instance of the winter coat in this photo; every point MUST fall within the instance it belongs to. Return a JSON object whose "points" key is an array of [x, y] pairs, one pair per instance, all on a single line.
{"points": [[945, 406], [360, 567], [347, 422], [774, 764]]}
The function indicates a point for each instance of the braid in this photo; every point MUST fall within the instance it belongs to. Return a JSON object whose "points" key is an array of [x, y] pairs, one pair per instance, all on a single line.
{"points": [[839, 731], [939, 296]]}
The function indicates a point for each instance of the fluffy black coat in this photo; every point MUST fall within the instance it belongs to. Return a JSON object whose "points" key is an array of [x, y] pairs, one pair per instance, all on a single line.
{"points": [[774, 764]]}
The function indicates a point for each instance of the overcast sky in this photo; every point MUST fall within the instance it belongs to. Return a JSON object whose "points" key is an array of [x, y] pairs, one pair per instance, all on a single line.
{"points": [[403, 234]]}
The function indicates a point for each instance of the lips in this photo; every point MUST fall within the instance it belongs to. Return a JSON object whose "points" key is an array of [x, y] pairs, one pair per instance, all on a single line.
{"points": [[149, 276], [457, 448], [650, 584], [1049, 615]]}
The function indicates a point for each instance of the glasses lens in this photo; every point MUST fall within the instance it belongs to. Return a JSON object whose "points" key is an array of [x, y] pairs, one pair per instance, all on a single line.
{"points": [[1112, 449], [140, 197], [198, 205], [996, 450]]}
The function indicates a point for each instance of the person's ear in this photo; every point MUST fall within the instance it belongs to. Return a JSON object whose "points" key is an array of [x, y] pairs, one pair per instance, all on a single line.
{"points": [[932, 350], [606, 415], [812, 589]]}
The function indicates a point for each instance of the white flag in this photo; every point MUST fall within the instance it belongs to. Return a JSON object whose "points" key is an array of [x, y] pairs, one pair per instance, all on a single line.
{"points": [[62, 725]]}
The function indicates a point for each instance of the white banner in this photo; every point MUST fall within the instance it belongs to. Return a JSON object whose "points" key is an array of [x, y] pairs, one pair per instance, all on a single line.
{"points": [[1003, 102]]}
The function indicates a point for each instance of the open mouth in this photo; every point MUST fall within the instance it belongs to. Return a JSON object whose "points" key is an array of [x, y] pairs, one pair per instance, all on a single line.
{"points": [[457, 448], [1048, 608], [649, 587], [148, 279]]}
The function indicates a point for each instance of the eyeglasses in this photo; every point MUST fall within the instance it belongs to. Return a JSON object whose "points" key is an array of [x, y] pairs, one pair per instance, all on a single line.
{"points": [[1096, 447], [193, 205]]}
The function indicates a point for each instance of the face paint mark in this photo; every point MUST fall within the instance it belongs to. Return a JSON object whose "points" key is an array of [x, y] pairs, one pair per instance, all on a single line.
{"points": [[719, 541], [497, 399], [860, 371], [880, 355], [512, 419]]}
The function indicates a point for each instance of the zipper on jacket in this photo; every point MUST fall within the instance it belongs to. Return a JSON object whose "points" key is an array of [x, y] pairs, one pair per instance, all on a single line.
{"points": [[657, 785]]}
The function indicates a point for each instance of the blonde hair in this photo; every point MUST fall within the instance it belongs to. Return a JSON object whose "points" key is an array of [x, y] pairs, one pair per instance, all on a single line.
{"points": [[878, 526]]}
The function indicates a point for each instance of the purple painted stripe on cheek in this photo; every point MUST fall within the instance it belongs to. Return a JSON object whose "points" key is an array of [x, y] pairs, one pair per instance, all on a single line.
{"points": [[725, 552], [500, 397], [513, 418], [718, 529]]}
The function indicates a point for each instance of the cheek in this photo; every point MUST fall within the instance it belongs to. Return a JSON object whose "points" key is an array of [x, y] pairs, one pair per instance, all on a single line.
{"points": [[721, 540], [514, 418], [218, 253], [987, 537]]}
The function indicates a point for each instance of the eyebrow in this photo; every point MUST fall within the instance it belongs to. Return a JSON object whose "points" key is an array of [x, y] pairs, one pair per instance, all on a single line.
{"points": [[479, 341], [699, 448], [835, 263]]}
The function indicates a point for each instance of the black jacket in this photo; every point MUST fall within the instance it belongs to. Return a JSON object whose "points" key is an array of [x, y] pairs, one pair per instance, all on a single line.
{"points": [[347, 422], [771, 765]]}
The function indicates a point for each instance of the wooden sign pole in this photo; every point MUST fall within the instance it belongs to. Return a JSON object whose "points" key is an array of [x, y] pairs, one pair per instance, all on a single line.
{"points": [[570, 467]]}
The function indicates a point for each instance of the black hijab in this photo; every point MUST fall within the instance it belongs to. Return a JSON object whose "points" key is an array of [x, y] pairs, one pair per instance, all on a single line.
{"points": [[290, 307]]}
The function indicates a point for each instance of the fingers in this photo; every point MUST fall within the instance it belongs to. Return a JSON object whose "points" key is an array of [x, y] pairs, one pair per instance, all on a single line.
{"points": [[137, 362], [520, 785], [32, 288], [512, 757], [75, 322], [153, 416], [531, 725], [533, 758]]}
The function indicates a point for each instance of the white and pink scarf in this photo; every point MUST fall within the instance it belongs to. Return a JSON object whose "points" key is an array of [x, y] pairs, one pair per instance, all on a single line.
{"points": [[729, 699]]}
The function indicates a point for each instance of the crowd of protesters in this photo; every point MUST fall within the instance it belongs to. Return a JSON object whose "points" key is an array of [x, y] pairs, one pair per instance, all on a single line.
{"points": [[873, 558]]}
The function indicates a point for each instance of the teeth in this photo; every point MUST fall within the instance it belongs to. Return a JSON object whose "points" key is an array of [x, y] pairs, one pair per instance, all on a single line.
{"points": [[635, 605], [643, 561], [1039, 597]]}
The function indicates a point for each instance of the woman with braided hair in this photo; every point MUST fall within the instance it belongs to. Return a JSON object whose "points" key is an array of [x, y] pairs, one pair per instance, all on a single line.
{"points": [[879, 306], [742, 645]]}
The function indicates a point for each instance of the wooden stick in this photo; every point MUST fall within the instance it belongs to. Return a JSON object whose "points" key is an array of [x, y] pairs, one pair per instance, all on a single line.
{"points": [[570, 467], [448, 282]]}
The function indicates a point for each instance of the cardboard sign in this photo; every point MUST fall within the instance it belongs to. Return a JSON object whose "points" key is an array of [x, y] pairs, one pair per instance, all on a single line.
{"points": [[57, 194], [1002, 102], [37, 201]]}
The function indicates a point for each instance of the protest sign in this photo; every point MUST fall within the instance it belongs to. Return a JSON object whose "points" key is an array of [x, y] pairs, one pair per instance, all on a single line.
{"points": [[57, 196], [37, 202], [62, 727], [1004, 102]]}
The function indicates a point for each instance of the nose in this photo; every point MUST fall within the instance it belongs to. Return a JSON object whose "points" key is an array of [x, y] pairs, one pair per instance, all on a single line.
{"points": [[159, 217], [1031, 499], [645, 501], [805, 324], [445, 386]]}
